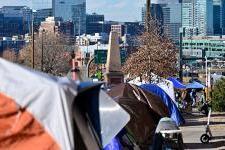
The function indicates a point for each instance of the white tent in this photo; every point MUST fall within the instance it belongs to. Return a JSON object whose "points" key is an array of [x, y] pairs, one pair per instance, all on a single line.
{"points": [[164, 84], [36, 112]]}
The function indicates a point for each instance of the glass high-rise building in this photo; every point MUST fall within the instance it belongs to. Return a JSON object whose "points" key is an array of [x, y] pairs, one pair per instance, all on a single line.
{"points": [[71, 10], [223, 16], [168, 15], [217, 20], [219, 17], [197, 17], [16, 20], [94, 23]]}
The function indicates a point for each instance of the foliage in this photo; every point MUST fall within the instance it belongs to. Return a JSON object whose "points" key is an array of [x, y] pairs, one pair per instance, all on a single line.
{"points": [[218, 96], [95, 71], [10, 55], [56, 55], [156, 54]]}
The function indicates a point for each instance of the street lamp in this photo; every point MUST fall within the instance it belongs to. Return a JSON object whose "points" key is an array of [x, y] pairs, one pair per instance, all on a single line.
{"points": [[181, 56], [32, 57], [192, 53], [42, 49], [206, 71]]}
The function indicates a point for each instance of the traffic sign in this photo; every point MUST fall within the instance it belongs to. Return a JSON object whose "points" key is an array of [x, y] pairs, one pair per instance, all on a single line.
{"points": [[101, 56]]}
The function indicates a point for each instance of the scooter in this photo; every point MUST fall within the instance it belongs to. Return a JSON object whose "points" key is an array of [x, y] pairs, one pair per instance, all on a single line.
{"points": [[207, 136]]}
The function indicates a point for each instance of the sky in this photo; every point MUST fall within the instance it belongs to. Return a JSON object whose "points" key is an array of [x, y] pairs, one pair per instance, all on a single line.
{"points": [[117, 10]]}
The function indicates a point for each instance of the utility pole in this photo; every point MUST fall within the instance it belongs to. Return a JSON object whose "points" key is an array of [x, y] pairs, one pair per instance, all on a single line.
{"points": [[148, 13], [206, 71], [181, 57], [32, 57], [42, 50]]}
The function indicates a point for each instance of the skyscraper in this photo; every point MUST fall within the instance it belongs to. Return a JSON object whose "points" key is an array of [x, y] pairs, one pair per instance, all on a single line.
{"points": [[168, 14], [217, 17], [71, 10], [172, 20], [16, 20], [40, 15], [223, 16], [1, 24], [94, 23], [204, 16], [197, 17]]}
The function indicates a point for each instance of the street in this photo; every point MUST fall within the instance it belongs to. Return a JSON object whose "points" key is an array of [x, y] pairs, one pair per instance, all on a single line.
{"points": [[195, 127]]}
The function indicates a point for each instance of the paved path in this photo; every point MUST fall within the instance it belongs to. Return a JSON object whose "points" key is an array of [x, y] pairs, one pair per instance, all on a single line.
{"points": [[195, 127]]}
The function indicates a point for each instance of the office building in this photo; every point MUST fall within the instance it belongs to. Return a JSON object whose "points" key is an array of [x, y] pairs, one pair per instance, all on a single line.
{"points": [[168, 15], [223, 16], [40, 15], [217, 19], [1, 24], [11, 26], [56, 26], [71, 10], [201, 46], [94, 23], [17, 19], [134, 28], [15, 43], [120, 29], [197, 17], [156, 12], [172, 20], [87, 39]]}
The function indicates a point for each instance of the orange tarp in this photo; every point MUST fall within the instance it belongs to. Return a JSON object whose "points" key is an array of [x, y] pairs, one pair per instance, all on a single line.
{"points": [[20, 130]]}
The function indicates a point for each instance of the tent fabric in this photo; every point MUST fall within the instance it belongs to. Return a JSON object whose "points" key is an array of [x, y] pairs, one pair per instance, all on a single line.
{"points": [[195, 85], [166, 124], [177, 84], [106, 117], [166, 85], [114, 145], [25, 132], [144, 108], [47, 98], [43, 111], [173, 110]]}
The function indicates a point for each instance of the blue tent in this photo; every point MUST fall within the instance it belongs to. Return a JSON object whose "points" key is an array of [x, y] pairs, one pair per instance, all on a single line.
{"points": [[114, 145], [195, 85], [177, 84], [173, 110]]}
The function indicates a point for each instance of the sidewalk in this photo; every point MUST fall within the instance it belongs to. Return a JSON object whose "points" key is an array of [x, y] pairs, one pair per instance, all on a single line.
{"points": [[195, 127]]}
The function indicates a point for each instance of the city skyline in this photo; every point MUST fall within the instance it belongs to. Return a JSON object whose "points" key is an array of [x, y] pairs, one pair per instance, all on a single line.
{"points": [[116, 10]]}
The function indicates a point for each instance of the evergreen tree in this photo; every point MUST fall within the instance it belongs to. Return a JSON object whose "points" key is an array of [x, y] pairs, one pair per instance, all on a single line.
{"points": [[218, 96]]}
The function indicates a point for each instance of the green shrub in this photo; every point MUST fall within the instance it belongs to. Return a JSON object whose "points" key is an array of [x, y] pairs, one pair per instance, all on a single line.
{"points": [[218, 96]]}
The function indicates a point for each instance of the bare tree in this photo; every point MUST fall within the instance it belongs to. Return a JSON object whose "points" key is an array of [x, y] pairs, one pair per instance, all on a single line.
{"points": [[156, 54], [51, 55], [10, 55]]}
